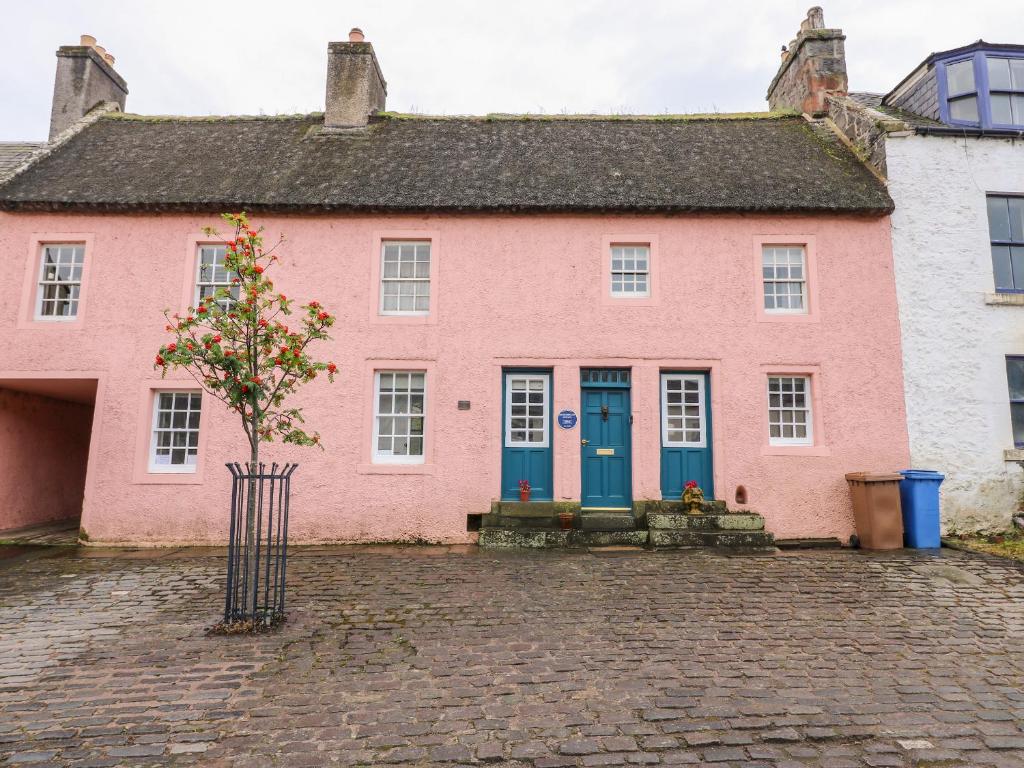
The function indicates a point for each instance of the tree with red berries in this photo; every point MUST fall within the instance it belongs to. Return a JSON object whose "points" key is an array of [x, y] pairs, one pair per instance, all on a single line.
{"points": [[238, 346]]}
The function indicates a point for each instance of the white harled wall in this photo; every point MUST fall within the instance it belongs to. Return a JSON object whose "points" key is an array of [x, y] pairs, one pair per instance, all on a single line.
{"points": [[955, 341]]}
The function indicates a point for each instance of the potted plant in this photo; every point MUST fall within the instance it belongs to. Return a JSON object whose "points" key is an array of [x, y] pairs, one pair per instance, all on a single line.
{"points": [[693, 497], [565, 519], [524, 491]]}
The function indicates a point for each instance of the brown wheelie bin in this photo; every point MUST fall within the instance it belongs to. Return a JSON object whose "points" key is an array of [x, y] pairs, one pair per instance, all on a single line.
{"points": [[876, 509]]}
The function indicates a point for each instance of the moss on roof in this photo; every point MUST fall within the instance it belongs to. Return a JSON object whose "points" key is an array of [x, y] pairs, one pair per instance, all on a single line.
{"points": [[537, 163]]}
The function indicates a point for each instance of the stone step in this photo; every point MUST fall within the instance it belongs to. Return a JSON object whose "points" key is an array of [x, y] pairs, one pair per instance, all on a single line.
{"points": [[655, 506], [732, 521], [543, 538], [664, 539], [607, 521]]}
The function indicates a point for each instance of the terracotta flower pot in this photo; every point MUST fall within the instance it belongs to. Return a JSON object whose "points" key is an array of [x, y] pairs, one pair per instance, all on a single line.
{"points": [[524, 496], [565, 519]]}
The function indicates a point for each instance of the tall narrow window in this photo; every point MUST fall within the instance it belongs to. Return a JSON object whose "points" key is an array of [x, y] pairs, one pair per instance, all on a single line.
{"points": [[682, 411], [405, 278], [399, 417], [175, 443], [526, 410], [60, 281], [1015, 380], [212, 275], [631, 271], [789, 410], [1006, 231], [784, 271], [962, 91]]}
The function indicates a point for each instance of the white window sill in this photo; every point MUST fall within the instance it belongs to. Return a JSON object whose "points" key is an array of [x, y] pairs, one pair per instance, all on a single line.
{"points": [[395, 469], [1005, 299], [1013, 454]]}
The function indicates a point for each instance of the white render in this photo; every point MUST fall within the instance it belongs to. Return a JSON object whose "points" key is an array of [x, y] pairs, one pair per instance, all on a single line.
{"points": [[954, 341]]}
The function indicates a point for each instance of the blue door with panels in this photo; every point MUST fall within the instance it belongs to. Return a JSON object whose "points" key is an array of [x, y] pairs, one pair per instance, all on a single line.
{"points": [[526, 434], [606, 439], [685, 433]]}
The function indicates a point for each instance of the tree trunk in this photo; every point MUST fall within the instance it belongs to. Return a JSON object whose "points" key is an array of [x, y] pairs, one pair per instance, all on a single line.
{"points": [[251, 532]]}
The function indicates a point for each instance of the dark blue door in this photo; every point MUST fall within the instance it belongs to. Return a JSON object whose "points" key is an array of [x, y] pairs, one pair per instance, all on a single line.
{"points": [[606, 448], [526, 434], [685, 434]]}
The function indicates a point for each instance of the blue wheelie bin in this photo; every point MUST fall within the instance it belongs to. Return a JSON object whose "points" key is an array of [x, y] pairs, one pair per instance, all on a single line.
{"points": [[919, 498]]}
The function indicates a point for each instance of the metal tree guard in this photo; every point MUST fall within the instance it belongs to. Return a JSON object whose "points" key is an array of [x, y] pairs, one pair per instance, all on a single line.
{"points": [[258, 546]]}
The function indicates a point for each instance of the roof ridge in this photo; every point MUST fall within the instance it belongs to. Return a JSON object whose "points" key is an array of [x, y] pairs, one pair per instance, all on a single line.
{"points": [[490, 117]]}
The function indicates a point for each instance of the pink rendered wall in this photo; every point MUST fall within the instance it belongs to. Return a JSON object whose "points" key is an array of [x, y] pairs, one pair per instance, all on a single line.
{"points": [[44, 445], [507, 290]]}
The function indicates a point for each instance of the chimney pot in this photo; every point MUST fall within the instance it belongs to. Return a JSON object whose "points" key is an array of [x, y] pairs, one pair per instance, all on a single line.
{"points": [[109, 58], [100, 50], [356, 35], [87, 40]]}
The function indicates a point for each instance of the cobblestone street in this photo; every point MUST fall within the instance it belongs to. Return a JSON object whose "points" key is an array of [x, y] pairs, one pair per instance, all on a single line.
{"points": [[424, 656]]}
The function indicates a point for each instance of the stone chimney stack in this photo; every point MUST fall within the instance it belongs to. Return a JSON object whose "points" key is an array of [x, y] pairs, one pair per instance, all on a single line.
{"points": [[813, 65], [355, 86], [85, 78]]}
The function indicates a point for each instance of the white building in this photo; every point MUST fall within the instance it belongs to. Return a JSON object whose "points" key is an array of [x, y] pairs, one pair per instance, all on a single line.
{"points": [[949, 141]]}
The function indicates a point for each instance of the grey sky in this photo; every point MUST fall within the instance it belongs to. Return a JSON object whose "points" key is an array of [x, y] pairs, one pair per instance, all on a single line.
{"points": [[464, 57]]}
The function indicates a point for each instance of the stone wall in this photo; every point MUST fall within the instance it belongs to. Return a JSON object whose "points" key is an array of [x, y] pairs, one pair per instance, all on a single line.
{"points": [[866, 128]]}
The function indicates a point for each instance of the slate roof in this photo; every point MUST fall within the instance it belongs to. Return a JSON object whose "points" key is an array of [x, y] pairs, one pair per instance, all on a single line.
{"points": [[632, 164], [874, 101], [13, 154]]}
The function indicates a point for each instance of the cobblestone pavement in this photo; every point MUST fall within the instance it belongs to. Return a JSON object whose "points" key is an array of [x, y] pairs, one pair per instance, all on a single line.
{"points": [[427, 656]]}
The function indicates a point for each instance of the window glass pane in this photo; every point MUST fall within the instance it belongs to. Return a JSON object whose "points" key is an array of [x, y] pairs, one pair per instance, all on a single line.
{"points": [[998, 218], [960, 77], [964, 109], [1017, 418], [1001, 112], [1017, 265], [1015, 377], [1001, 269], [998, 73]]}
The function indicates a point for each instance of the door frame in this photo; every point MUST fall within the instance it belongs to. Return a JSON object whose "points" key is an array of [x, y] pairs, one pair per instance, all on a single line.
{"points": [[704, 376], [549, 447], [608, 379]]}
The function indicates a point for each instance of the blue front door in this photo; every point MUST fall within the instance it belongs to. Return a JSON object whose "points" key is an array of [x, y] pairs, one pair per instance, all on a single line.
{"points": [[606, 445], [526, 434], [685, 434]]}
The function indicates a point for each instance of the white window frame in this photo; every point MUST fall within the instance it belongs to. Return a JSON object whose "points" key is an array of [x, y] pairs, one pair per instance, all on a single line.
{"points": [[389, 458], [774, 280], [546, 415], [702, 410], [42, 282], [646, 294], [808, 409], [173, 469], [200, 283], [399, 280]]}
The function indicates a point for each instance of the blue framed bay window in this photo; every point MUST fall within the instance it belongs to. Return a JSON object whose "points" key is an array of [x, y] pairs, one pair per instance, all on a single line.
{"points": [[1006, 235], [983, 89]]}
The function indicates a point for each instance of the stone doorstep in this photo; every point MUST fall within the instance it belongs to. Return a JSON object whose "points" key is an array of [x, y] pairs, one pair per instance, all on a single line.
{"points": [[733, 521], [533, 538], [685, 538], [607, 521]]}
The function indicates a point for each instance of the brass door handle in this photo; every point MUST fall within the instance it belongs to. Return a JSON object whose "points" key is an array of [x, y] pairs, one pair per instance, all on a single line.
{"points": [[584, 442]]}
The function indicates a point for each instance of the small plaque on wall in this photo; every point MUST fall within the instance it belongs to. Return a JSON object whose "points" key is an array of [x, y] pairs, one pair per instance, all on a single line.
{"points": [[463, 405]]}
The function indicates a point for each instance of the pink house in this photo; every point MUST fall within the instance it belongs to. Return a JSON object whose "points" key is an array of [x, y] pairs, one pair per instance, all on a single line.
{"points": [[606, 307]]}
